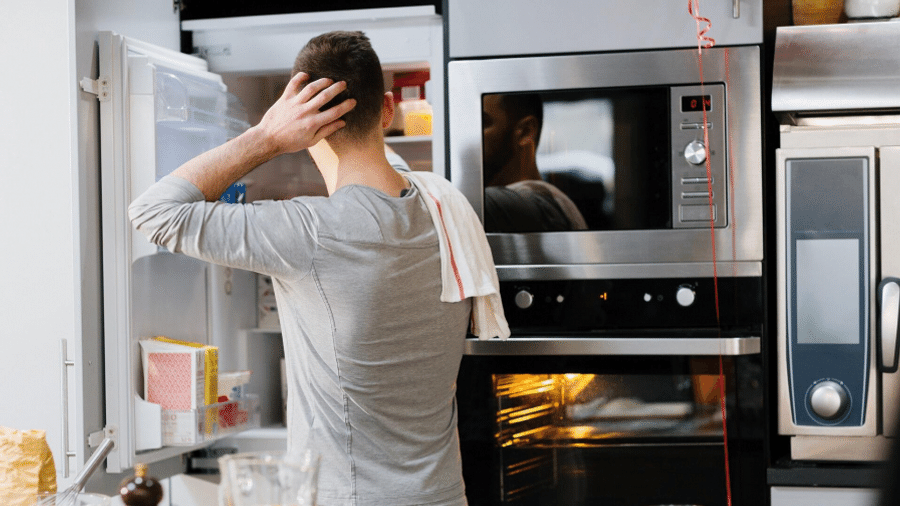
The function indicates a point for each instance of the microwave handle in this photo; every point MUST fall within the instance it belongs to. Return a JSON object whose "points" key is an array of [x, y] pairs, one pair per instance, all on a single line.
{"points": [[736, 9], [888, 324]]}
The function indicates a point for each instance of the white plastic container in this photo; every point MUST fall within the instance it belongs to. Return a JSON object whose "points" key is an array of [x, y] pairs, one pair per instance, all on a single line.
{"points": [[232, 384], [860, 9]]}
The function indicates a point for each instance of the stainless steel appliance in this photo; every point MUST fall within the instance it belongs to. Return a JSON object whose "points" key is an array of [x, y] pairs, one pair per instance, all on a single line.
{"points": [[838, 238], [606, 392], [613, 430], [623, 138]]}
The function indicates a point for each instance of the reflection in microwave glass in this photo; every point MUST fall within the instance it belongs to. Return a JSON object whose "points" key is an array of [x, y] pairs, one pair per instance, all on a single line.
{"points": [[586, 160]]}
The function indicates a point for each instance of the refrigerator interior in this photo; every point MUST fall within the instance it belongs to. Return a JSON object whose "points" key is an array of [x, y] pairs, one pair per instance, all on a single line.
{"points": [[295, 174]]}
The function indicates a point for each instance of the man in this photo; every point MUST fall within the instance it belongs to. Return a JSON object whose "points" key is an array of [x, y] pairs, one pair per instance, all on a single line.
{"points": [[517, 199], [372, 353]]}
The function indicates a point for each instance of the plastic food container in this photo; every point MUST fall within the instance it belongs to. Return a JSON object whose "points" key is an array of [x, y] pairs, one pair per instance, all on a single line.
{"points": [[232, 384]]}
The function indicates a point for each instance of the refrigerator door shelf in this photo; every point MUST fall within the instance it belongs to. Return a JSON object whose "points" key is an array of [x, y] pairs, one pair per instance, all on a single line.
{"points": [[160, 109]]}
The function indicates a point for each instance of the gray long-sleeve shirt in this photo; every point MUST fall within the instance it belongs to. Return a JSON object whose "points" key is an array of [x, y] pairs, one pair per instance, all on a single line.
{"points": [[371, 352]]}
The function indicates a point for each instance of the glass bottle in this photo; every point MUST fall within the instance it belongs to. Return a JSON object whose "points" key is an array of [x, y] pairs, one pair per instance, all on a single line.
{"points": [[141, 490]]}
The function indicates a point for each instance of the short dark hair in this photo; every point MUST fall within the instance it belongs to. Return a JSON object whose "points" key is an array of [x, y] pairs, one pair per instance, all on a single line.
{"points": [[520, 105], [347, 56]]}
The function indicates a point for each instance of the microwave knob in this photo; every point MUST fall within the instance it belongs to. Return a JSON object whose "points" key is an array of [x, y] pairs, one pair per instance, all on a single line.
{"points": [[524, 299], [685, 296], [695, 152], [828, 399]]}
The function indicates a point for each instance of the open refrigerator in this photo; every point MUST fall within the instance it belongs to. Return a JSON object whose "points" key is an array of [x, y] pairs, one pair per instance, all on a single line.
{"points": [[158, 109]]}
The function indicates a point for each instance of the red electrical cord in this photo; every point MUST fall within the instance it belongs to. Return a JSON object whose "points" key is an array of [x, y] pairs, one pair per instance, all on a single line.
{"points": [[703, 41]]}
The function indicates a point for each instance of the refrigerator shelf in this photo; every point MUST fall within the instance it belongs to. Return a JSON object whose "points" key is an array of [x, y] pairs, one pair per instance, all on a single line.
{"points": [[180, 428], [211, 422]]}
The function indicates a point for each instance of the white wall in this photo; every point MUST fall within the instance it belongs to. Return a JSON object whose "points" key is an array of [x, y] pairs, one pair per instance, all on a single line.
{"points": [[49, 267]]}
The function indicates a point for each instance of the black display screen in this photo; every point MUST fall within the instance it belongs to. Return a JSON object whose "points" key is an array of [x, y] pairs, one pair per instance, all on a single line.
{"points": [[696, 103]]}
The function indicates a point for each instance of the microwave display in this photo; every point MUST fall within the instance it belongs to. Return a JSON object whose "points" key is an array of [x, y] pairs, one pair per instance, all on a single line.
{"points": [[696, 103], [607, 159]]}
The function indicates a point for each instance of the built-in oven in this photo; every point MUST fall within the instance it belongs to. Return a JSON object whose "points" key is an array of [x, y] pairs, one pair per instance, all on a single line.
{"points": [[619, 179], [611, 392], [612, 430], [838, 240], [622, 199]]}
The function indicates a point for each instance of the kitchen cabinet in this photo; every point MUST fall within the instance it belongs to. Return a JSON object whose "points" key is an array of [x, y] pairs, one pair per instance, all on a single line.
{"points": [[509, 27]]}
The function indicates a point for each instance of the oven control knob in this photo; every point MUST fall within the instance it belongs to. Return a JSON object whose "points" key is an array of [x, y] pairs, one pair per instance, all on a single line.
{"points": [[685, 296], [828, 399], [524, 299], [695, 152]]}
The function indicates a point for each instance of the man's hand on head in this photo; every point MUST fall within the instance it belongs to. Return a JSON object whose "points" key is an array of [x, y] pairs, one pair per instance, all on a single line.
{"points": [[295, 122]]}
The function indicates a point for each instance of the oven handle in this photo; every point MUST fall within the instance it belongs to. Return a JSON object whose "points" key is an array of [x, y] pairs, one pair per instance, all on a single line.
{"points": [[888, 324], [543, 345]]}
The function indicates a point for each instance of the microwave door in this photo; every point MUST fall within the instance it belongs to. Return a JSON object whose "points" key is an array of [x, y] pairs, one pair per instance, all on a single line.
{"points": [[158, 108], [889, 289]]}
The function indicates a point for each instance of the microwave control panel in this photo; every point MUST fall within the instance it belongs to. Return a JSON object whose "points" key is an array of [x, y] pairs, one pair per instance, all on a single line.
{"points": [[699, 156]]}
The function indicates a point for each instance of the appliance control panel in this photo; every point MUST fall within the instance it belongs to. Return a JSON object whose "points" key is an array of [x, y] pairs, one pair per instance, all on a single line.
{"points": [[698, 156], [588, 305], [828, 289]]}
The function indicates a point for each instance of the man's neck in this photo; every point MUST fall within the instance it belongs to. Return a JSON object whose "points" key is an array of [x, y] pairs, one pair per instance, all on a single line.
{"points": [[359, 164], [518, 169]]}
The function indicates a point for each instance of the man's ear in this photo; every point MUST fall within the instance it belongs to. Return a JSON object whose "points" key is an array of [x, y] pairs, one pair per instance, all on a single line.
{"points": [[526, 131], [387, 109]]}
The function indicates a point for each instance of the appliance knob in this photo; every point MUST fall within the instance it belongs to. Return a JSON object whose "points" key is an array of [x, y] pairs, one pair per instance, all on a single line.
{"points": [[685, 296], [695, 152], [524, 299], [829, 400]]}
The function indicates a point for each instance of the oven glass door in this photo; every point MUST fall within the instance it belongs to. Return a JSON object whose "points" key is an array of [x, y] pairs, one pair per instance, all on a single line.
{"points": [[625, 430]]}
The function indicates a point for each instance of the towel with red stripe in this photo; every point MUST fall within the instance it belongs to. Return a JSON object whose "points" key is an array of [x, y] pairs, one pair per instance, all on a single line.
{"points": [[467, 266]]}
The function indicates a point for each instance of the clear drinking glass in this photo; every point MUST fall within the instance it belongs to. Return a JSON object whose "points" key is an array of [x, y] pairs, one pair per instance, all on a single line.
{"points": [[268, 479]]}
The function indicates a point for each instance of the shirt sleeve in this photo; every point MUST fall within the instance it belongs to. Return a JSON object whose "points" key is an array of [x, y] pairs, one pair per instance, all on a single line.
{"points": [[274, 237]]}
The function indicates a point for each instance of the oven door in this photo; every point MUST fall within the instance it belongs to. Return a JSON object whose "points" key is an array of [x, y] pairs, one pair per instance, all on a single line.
{"points": [[537, 427]]}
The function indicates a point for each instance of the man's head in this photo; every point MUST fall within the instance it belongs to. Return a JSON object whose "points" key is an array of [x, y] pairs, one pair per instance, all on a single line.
{"points": [[512, 128], [349, 57]]}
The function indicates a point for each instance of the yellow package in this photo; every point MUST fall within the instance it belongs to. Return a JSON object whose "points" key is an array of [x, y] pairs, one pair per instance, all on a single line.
{"points": [[26, 466]]}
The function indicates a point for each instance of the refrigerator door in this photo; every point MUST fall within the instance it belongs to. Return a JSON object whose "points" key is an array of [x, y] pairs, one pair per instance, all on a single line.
{"points": [[158, 108]]}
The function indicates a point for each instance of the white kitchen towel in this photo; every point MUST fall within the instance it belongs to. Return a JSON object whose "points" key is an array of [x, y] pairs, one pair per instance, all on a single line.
{"points": [[467, 266]]}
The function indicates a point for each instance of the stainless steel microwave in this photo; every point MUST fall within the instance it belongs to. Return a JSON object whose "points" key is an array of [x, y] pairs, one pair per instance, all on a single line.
{"points": [[628, 165]]}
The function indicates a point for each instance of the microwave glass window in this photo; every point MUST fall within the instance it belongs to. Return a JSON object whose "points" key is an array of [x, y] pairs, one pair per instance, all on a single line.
{"points": [[577, 160]]}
